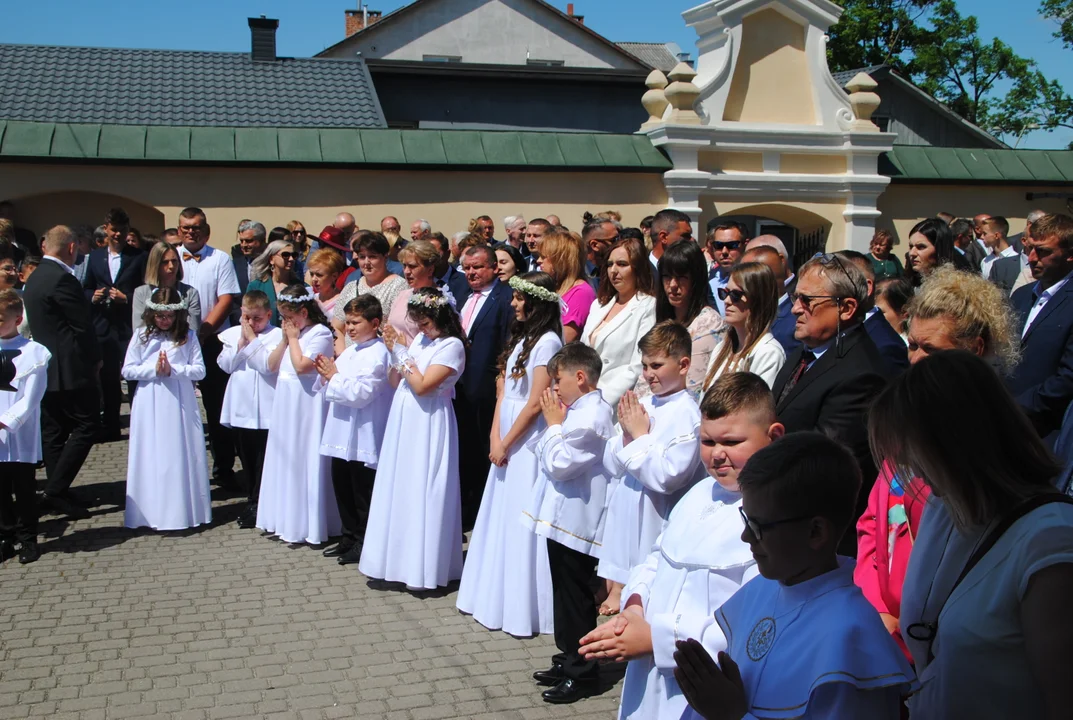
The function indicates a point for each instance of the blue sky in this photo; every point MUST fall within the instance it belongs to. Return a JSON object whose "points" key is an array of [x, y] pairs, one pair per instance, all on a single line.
{"points": [[308, 26]]}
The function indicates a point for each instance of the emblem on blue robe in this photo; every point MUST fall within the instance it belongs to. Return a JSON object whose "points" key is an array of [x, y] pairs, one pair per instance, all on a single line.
{"points": [[761, 639]]}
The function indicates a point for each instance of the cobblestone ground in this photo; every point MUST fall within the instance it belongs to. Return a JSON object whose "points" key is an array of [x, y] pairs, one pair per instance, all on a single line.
{"points": [[225, 623]]}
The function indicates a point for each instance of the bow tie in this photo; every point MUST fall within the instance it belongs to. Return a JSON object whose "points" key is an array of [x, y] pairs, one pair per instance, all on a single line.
{"points": [[191, 256]]}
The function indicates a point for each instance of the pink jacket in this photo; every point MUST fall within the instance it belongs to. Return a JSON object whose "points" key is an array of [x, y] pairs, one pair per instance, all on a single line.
{"points": [[881, 571]]}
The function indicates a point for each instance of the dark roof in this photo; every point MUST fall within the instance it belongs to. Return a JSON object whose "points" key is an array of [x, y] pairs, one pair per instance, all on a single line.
{"points": [[845, 76], [912, 163], [655, 55], [168, 87], [457, 149]]}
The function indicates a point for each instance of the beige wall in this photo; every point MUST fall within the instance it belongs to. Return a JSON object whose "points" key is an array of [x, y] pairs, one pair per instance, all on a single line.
{"points": [[902, 206], [45, 195], [806, 217]]}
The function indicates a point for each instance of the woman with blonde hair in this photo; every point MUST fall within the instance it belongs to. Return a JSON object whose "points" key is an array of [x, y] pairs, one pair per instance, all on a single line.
{"points": [[323, 268], [163, 268], [272, 272], [885, 263], [562, 256], [300, 238], [751, 297], [418, 259]]}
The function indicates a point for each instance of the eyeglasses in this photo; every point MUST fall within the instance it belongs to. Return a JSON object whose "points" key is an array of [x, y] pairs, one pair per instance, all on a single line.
{"points": [[191, 229], [808, 300], [286, 255], [757, 529], [736, 295], [732, 245], [299, 233]]}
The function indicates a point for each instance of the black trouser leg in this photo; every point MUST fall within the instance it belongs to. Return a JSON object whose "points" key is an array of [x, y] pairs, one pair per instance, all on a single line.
{"points": [[364, 478], [111, 383], [251, 446], [574, 608], [343, 482], [69, 422], [18, 502], [213, 387], [473, 448]]}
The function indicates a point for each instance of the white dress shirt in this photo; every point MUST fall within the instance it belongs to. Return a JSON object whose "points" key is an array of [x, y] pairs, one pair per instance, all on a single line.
{"points": [[114, 261], [987, 262], [213, 276], [1041, 301], [472, 307]]}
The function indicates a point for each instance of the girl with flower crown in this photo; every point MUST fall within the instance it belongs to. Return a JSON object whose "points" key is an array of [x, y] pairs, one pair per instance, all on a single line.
{"points": [[414, 534], [506, 583], [167, 470], [297, 502]]}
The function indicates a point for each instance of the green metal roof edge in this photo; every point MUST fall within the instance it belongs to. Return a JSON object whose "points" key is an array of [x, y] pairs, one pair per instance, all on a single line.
{"points": [[923, 164], [506, 150]]}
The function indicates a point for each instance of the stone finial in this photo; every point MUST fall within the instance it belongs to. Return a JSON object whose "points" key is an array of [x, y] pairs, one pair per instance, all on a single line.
{"points": [[863, 101], [655, 100], [682, 94]]}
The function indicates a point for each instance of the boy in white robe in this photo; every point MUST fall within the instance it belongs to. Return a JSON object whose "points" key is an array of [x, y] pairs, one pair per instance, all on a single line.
{"points": [[699, 560], [23, 377], [803, 642], [656, 455], [247, 406], [568, 509], [360, 394]]}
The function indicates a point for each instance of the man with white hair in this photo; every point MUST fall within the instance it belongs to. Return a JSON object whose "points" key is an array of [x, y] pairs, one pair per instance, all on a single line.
{"points": [[789, 280], [515, 227], [785, 322], [420, 230]]}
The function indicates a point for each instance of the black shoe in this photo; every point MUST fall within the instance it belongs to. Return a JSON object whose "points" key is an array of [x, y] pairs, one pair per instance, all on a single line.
{"points": [[552, 676], [29, 553], [7, 550], [248, 518], [338, 550], [62, 505], [568, 691], [351, 556]]}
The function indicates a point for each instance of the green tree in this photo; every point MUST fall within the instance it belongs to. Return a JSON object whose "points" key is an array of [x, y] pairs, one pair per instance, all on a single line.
{"points": [[877, 32], [1061, 11]]}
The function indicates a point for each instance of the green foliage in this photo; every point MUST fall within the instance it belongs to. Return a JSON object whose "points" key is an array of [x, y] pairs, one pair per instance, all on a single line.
{"points": [[1061, 11], [877, 32]]}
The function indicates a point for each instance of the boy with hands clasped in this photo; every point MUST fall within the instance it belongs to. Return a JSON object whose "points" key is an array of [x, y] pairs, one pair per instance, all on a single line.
{"points": [[568, 508]]}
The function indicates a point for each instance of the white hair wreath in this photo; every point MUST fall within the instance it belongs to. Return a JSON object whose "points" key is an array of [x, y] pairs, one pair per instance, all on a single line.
{"points": [[297, 299]]}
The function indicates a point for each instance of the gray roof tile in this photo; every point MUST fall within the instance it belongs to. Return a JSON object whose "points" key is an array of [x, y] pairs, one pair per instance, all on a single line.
{"points": [[652, 54], [846, 75], [168, 87]]}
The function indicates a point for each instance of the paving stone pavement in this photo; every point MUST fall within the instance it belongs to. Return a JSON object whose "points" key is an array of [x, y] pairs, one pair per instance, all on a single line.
{"points": [[226, 623]]}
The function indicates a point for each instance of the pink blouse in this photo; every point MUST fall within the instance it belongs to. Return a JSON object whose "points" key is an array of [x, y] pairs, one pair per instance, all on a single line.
{"points": [[578, 300], [399, 318]]}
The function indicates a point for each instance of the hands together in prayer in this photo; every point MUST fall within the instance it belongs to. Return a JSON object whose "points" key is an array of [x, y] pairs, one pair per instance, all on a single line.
{"points": [[553, 410], [163, 367], [716, 693], [633, 417], [325, 367]]}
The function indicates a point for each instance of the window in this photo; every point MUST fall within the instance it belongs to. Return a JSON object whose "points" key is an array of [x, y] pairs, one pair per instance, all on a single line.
{"points": [[544, 63], [442, 58]]}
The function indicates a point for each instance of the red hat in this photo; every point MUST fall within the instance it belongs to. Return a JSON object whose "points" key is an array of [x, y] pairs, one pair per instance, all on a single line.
{"points": [[333, 237]]}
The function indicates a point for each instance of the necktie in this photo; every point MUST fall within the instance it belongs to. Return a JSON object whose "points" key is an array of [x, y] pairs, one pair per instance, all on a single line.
{"points": [[470, 310], [191, 256], [806, 358]]}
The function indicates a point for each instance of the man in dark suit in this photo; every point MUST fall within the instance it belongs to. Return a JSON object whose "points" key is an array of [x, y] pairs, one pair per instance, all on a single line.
{"points": [[769, 250], [1042, 383], [252, 239], [70, 409], [726, 241], [828, 382], [446, 273], [965, 242], [112, 274], [887, 340], [486, 316]]}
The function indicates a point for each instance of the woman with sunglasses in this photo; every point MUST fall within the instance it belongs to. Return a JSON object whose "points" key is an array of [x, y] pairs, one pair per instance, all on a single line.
{"points": [[272, 272], [300, 238], [751, 298]]}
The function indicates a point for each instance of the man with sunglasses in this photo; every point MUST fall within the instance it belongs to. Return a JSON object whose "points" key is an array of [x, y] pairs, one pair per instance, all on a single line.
{"points": [[828, 382], [599, 234], [726, 245]]}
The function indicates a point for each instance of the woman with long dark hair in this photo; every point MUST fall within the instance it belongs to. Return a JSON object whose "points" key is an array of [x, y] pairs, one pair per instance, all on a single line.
{"points": [[931, 244]]}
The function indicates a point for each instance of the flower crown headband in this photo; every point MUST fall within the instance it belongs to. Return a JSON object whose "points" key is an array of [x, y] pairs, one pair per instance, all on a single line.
{"points": [[524, 286], [173, 307], [298, 299], [429, 301]]}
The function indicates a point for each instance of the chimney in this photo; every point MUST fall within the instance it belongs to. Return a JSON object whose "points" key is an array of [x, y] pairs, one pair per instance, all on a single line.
{"points": [[360, 19], [263, 39], [579, 19], [684, 57]]}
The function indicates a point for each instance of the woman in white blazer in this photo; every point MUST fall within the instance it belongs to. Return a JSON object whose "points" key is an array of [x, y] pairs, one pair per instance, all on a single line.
{"points": [[751, 297], [624, 310]]}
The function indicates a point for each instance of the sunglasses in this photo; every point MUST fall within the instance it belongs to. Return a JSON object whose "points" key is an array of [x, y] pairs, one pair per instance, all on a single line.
{"points": [[286, 255], [808, 300], [732, 245], [736, 295], [758, 528]]}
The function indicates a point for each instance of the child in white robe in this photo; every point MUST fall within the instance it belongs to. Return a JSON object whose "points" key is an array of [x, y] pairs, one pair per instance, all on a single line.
{"points": [[656, 455], [247, 407], [699, 559], [802, 640], [506, 583], [26, 376], [567, 508], [167, 482], [296, 501], [359, 395], [414, 535]]}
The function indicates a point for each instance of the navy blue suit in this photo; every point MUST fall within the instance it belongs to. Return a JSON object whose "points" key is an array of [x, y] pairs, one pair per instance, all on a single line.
{"points": [[889, 343], [455, 281], [783, 328], [1042, 383], [475, 397]]}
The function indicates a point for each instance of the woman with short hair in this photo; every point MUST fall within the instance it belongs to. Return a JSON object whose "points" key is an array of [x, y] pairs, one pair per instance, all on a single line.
{"points": [[885, 263], [418, 259], [324, 267], [371, 251], [273, 271]]}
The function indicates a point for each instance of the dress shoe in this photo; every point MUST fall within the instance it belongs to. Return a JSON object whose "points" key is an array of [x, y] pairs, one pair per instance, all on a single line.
{"points": [[248, 518], [7, 550], [351, 556], [552, 676], [568, 691], [62, 505], [29, 552], [338, 550]]}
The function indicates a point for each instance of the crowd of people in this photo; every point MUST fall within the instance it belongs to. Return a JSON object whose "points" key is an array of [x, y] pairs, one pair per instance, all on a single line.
{"points": [[835, 490]]}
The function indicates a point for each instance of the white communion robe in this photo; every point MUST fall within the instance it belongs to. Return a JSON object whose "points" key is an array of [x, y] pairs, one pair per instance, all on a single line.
{"points": [[414, 534], [656, 470], [251, 387], [506, 581], [360, 397], [297, 501], [167, 468], [814, 650], [699, 561], [20, 411], [569, 497]]}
